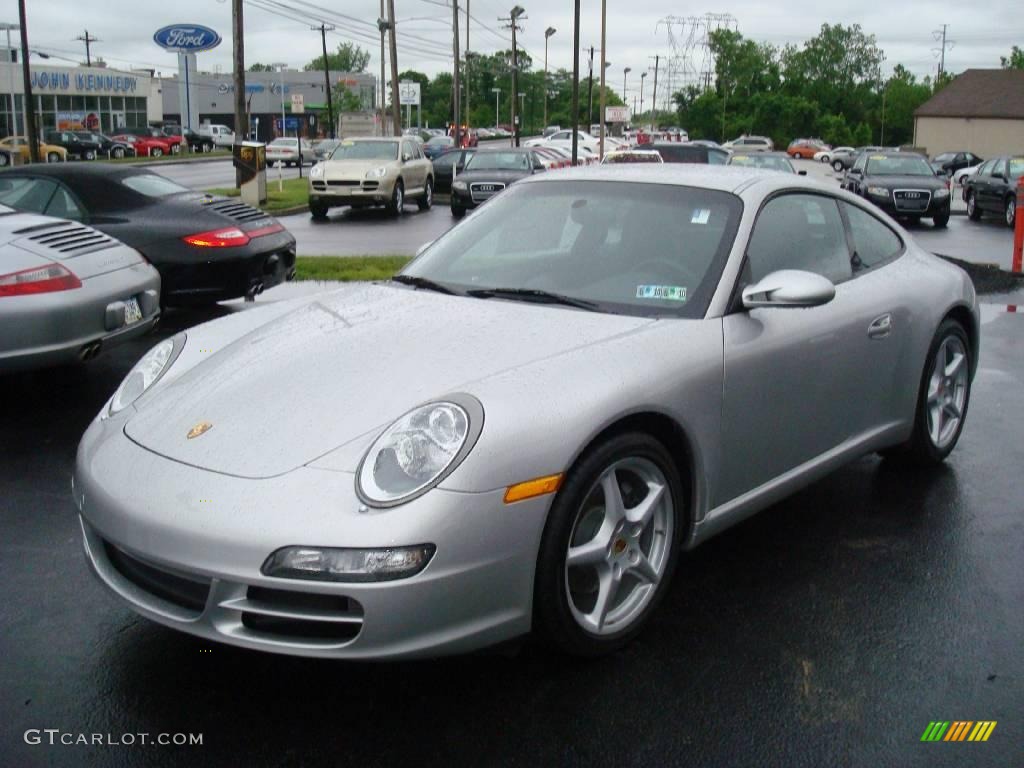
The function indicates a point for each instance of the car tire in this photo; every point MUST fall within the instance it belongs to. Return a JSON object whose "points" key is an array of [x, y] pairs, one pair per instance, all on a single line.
{"points": [[397, 204], [4, 160], [941, 222], [53, 157], [427, 199], [156, 152], [640, 554], [924, 448], [837, 166], [318, 211], [973, 211], [90, 155], [824, 158], [1010, 211], [458, 213], [175, 149], [117, 152]]}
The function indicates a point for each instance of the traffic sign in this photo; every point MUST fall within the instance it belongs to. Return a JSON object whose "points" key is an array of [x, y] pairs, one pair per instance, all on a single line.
{"points": [[298, 105], [616, 114], [409, 94]]}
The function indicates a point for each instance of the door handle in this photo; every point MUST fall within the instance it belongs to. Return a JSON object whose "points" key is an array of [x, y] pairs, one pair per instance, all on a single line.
{"points": [[880, 327]]}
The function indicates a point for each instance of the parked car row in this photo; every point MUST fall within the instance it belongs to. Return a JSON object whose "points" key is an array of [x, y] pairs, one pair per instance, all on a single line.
{"points": [[97, 250]]}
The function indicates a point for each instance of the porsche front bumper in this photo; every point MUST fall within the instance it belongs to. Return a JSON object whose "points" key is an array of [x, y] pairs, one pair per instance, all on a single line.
{"points": [[185, 549]]}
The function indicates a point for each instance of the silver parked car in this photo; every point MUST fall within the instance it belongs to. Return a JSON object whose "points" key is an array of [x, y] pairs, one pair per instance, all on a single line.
{"points": [[68, 291], [524, 428]]}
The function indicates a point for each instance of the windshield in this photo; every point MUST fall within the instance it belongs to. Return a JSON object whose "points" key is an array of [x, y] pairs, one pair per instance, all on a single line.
{"points": [[944, 157], [907, 165], [441, 141], [151, 185], [366, 150], [762, 161], [284, 143], [642, 249], [499, 161], [1016, 167]]}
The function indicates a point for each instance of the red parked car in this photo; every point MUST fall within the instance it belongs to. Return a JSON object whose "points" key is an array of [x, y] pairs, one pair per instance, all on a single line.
{"points": [[145, 146], [175, 142]]}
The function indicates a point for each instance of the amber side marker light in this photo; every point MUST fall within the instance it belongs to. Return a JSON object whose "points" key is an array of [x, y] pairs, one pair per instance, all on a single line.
{"points": [[530, 488]]}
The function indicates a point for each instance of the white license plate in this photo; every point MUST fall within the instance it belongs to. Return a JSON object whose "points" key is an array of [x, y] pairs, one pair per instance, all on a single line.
{"points": [[132, 311]]}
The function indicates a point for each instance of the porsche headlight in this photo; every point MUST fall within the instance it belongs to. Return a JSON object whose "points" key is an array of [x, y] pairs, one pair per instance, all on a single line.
{"points": [[418, 451], [878, 191], [377, 173], [146, 372], [316, 171]]}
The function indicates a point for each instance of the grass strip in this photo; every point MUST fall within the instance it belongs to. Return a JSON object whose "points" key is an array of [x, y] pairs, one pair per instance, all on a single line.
{"points": [[348, 268]]}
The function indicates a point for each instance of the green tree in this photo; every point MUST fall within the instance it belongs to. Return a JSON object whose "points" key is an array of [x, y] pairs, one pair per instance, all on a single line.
{"points": [[257, 67], [1015, 60], [348, 58]]}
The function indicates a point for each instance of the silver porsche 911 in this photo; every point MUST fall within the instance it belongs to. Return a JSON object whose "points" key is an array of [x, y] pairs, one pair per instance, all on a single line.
{"points": [[522, 431]]}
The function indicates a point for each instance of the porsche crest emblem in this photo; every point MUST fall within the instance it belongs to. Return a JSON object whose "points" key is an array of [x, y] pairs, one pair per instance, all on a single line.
{"points": [[199, 429]]}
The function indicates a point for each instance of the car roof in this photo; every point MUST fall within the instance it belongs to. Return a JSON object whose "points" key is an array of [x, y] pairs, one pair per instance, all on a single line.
{"points": [[91, 170], [724, 178], [492, 150]]}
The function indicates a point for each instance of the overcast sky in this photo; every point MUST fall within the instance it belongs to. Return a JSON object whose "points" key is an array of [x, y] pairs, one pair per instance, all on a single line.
{"points": [[982, 31]]}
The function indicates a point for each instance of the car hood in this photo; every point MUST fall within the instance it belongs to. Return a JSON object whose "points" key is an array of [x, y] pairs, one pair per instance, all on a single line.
{"points": [[285, 391], [353, 169], [905, 182], [504, 177]]}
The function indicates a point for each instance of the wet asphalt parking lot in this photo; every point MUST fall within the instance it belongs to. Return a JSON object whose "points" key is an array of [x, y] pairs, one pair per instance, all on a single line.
{"points": [[828, 630]]}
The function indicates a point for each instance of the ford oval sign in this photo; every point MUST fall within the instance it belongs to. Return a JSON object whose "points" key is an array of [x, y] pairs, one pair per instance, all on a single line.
{"points": [[186, 38]]}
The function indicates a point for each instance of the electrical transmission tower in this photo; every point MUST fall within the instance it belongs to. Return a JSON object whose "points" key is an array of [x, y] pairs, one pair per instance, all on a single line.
{"points": [[940, 52], [692, 62]]}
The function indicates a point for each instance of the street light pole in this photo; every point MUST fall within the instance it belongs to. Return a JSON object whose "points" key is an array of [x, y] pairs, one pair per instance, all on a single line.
{"points": [[516, 12], [547, 34], [382, 25], [575, 82], [625, 72], [456, 111], [280, 68], [642, 76], [604, 67]]}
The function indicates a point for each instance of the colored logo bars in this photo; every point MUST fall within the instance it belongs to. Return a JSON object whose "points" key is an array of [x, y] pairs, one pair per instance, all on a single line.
{"points": [[958, 730]]}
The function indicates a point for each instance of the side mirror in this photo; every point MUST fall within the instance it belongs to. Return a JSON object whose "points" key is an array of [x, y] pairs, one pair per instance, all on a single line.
{"points": [[424, 247], [940, 172], [855, 172], [789, 288], [406, 158]]}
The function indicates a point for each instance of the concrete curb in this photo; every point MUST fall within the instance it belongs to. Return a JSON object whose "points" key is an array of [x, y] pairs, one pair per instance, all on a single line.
{"points": [[176, 161]]}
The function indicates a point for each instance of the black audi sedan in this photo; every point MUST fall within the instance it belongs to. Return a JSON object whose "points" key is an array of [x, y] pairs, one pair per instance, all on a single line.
{"points": [[449, 165], [993, 189], [206, 248], [903, 184], [488, 172]]}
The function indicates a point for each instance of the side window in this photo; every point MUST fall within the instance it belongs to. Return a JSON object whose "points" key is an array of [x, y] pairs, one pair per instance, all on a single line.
{"points": [[862, 161], [799, 231], [717, 158], [63, 206], [986, 168], [873, 242], [1000, 168], [30, 195], [406, 150]]}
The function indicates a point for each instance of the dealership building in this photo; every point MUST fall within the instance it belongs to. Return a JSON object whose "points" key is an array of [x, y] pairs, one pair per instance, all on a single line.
{"points": [[212, 99], [72, 97]]}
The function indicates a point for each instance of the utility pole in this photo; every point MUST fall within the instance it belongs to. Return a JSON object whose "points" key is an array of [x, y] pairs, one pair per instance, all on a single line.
{"points": [[382, 26], [654, 97], [643, 76], [468, 80], [590, 90], [324, 29], [456, 112], [237, 32], [396, 109], [30, 105], [575, 82], [87, 39], [513, 24], [940, 35], [547, 34], [604, 66]]}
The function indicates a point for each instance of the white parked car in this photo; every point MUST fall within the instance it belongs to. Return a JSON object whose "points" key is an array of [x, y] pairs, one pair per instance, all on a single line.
{"points": [[564, 139], [288, 151], [825, 155], [964, 173]]}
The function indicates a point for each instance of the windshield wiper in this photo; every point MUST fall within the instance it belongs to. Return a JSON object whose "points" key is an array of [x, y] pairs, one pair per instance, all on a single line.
{"points": [[423, 282], [533, 294]]}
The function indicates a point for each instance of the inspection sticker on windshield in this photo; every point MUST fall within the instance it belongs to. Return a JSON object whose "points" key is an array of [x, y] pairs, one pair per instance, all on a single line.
{"points": [[665, 292], [700, 216]]}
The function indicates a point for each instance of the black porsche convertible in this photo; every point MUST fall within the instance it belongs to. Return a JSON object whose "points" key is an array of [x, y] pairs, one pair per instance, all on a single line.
{"points": [[206, 248]]}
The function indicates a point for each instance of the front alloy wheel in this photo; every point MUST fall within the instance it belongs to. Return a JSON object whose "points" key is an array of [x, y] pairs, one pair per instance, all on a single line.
{"points": [[610, 546], [428, 197], [1011, 211], [398, 199], [973, 212]]}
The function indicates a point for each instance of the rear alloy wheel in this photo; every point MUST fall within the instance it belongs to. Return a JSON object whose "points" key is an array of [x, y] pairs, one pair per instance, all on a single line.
{"points": [[156, 152], [397, 205], [118, 152], [837, 166], [945, 393], [610, 546], [53, 157], [428, 196], [1011, 211], [973, 211], [90, 155]]}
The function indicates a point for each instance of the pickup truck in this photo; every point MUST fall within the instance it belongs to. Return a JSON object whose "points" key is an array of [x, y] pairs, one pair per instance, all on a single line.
{"points": [[222, 135]]}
